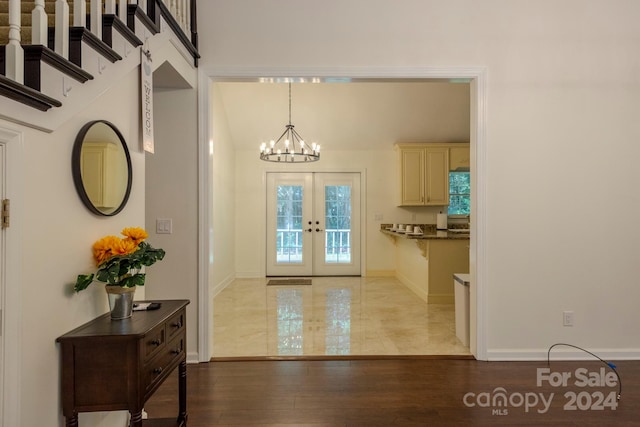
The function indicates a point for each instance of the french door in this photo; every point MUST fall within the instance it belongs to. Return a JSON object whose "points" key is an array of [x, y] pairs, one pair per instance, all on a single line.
{"points": [[313, 224]]}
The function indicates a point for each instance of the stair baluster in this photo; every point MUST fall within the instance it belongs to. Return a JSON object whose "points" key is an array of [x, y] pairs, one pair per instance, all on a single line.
{"points": [[122, 10], [96, 18], [61, 43], [110, 7], [39, 24], [14, 52], [79, 13]]}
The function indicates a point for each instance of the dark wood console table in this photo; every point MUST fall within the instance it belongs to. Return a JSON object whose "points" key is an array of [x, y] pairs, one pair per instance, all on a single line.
{"points": [[111, 365]]}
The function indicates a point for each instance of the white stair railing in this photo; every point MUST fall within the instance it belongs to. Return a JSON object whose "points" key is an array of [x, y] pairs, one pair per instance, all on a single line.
{"points": [[61, 41], [79, 13], [110, 7], [181, 11], [14, 54], [96, 18], [122, 10], [39, 23]]}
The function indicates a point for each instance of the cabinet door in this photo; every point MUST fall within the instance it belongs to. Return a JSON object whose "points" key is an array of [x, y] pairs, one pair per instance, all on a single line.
{"points": [[437, 176], [412, 177], [459, 157], [92, 163]]}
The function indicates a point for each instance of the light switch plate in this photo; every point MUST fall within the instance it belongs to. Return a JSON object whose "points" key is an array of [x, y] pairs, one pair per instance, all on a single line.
{"points": [[164, 226]]}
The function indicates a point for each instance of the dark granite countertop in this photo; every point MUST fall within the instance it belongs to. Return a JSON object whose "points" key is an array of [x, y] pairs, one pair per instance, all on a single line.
{"points": [[429, 233]]}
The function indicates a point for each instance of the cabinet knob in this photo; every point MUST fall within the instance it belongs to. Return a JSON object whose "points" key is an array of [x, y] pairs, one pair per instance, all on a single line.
{"points": [[157, 371], [155, 342], [176, 351], [177, 324]]}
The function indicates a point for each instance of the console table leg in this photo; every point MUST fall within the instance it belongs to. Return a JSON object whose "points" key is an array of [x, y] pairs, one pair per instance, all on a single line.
{"points": [[136, 419], [182, 391], [72, 420]]}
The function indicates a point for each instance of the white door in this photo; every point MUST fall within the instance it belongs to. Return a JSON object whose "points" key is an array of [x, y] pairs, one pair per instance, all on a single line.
{"points": [[313, 224]]}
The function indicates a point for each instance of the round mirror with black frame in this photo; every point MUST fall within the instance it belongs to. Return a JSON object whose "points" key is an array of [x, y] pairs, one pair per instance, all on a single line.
{"points": [[101, 167]]}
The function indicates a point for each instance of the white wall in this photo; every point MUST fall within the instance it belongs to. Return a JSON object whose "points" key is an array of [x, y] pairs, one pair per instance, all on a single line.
{"points": [[223, 179], [57, 235], [561, 130], [172, 192]]}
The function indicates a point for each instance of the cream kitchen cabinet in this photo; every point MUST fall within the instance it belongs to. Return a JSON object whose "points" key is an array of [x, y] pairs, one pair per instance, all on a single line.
{"points": [[424, 174], [459, 157], [104, 175]]}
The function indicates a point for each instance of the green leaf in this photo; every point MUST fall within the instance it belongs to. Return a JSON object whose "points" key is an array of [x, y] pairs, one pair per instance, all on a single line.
{"points": [[82, 282]]}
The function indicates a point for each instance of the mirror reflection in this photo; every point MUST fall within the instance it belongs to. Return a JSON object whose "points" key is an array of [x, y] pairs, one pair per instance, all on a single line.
{"points": [[102, 168]]}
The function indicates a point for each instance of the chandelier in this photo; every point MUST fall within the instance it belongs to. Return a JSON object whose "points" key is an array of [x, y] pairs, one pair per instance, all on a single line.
{"points": [[290, 147]]}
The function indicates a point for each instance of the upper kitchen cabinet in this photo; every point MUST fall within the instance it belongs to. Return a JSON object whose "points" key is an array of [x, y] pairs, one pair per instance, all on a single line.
{"points": [[424, 174], [459, 157]]}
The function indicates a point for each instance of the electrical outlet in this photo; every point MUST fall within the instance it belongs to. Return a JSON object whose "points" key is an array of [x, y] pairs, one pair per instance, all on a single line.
{"points": [[567, 318]]}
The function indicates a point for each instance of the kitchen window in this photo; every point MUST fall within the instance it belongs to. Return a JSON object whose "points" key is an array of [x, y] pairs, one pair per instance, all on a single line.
{"points": [[459, 193]]}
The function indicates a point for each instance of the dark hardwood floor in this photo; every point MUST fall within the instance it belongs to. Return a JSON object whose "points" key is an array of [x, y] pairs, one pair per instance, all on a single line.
{"points": [[401, 392]]}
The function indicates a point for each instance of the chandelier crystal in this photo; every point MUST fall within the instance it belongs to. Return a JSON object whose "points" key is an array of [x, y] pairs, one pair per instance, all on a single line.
{"points": [[290, 146]]}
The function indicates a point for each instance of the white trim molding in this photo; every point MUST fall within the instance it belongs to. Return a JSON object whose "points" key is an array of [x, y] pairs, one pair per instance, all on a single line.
{"points": [[560, 354], [12, 251], [475, 75]]}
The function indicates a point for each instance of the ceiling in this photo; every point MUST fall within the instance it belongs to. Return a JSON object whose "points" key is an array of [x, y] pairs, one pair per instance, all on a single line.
{"points": [[360, 115]]}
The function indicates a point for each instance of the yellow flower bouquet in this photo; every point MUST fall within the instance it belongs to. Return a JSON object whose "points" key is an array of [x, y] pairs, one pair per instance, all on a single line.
{"points": [[119, 260]]}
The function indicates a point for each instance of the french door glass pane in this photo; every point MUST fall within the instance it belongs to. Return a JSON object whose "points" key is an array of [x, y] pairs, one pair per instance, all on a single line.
{"points": [[338, 224], [289, 224]]}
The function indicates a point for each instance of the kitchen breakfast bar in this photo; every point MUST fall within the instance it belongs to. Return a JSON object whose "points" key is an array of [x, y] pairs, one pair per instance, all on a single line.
{"points": [[427, 261]]}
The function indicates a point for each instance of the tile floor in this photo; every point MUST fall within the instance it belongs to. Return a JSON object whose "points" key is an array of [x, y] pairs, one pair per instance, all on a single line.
{"points": [[333, 316]]}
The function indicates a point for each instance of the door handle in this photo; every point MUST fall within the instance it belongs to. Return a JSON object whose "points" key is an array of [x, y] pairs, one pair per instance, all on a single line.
{"points": [[317, 230], [309, 230]]}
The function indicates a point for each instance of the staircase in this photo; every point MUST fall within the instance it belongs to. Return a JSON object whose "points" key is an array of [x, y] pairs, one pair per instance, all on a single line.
{"points": [[39, 74]]}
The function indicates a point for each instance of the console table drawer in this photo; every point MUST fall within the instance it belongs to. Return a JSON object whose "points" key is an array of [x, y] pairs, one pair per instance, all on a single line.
{"points": [[175, 325], [153, 342], [160, 366]]}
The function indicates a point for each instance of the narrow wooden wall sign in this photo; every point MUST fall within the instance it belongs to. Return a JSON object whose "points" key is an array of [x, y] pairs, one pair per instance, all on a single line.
{"points": [[146, 87]]}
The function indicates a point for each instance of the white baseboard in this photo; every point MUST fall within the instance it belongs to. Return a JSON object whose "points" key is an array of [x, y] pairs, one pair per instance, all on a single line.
{"points": [[250, 275], [422, 294], [192, 357], [219, 287], [561, 353], [380, 273]]}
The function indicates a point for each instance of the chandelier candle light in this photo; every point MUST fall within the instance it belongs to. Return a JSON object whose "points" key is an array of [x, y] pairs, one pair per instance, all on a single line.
{"points": [[295, 150]]}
